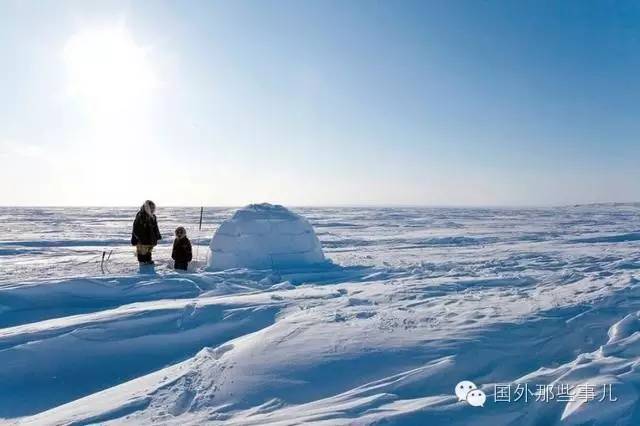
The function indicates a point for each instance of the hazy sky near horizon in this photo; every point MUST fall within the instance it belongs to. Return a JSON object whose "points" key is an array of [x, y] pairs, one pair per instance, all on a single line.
{"points": [[319, 102]]}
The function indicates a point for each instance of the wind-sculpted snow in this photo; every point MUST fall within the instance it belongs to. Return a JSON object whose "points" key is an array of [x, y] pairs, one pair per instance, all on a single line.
{"points": [[416, 300]]}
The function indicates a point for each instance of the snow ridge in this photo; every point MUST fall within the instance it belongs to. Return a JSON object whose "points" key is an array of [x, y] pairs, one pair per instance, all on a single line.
{"points": [[381, 335]]}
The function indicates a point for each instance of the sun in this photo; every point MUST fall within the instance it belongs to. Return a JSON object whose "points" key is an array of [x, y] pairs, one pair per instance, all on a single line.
{"points": [[108, 69]]}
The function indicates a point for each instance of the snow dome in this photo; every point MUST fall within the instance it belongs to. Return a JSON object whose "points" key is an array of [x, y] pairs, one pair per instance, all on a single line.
{"points": [[263, 236]]}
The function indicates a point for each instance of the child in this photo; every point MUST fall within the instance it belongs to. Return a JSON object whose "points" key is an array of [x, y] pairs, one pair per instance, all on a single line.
{"points": [[181, 253]]}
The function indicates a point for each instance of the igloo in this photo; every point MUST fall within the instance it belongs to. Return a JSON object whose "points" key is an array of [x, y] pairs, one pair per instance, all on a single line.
{"points": [[265, 236]]}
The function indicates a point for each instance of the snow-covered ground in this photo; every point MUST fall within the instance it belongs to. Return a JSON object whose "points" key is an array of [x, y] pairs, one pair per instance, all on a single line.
{"points": [[416, 301]]}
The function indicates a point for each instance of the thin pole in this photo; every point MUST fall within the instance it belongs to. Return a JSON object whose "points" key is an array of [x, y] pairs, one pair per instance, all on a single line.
{"points": [[198, 239], [102, 261]]}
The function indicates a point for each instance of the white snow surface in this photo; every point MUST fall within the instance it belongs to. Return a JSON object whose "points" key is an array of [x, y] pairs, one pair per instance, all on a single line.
{"points": [[414, 301], [265, 236]]}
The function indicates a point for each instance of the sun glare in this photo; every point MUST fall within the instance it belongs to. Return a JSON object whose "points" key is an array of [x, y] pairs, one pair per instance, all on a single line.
{"points": [[107, 68]]}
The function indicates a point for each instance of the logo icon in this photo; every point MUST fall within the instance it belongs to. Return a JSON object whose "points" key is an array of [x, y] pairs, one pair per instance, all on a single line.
{"points": [[468, 391], [476, 398]]}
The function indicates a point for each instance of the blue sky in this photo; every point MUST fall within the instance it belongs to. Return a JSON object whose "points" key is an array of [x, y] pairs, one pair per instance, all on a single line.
{"points": [[319, 102]]}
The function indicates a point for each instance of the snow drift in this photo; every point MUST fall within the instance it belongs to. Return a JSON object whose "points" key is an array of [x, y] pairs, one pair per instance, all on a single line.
{"points": [[265, 236], [417, 301]]}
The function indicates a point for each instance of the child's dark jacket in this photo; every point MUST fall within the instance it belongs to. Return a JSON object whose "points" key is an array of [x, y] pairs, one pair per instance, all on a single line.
{"points": [[181, 250]]}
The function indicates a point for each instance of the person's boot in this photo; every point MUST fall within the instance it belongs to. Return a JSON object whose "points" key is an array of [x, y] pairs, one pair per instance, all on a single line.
{"points": [[145, 259]]}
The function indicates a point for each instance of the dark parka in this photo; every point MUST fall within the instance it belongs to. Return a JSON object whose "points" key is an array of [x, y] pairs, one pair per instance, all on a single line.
{"points": [[145, 229], [181, 251]]}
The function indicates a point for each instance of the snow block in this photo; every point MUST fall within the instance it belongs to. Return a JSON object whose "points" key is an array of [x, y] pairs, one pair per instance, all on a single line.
{"points": [[265, 236]]}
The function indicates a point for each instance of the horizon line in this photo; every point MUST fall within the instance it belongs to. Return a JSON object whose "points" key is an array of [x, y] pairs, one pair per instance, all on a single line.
{"points": [[363, 205]]}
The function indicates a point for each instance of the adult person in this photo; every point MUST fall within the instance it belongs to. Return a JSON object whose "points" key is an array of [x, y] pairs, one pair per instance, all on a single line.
{"points": [[145, 233]]}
